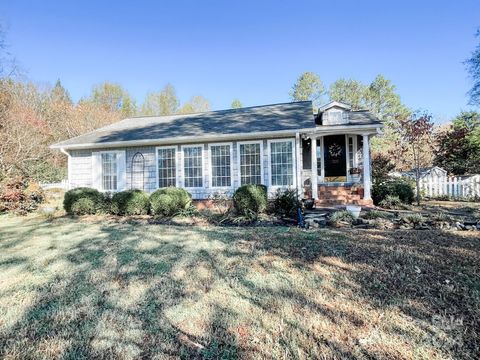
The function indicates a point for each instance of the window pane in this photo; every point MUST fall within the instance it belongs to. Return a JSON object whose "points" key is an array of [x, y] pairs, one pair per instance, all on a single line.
{"points": [[109, 171], [250, 164], [220, 158], [192, 159], [281, 158], [167, 169]]}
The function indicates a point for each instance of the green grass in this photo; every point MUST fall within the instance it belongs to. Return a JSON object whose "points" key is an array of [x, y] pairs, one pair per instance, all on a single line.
{"points": [[96, 288]]}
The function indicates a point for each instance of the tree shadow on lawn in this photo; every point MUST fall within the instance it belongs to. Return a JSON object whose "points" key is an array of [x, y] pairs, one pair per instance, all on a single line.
{"points": [[137, 292], [432, 277], [111, 302]]}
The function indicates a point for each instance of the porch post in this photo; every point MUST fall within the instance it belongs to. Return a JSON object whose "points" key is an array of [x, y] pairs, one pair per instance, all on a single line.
{"points": [[299, 166], [366, 168], [314, 167]]}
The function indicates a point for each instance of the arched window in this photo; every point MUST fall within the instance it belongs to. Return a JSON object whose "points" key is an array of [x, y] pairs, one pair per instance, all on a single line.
{"points": [[138, 171]]}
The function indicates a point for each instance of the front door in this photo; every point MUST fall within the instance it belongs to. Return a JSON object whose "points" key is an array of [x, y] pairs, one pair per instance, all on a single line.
{"points": [[335, 158]]}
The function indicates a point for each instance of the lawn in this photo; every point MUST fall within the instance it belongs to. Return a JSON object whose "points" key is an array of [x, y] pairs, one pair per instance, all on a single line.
{"points": [[100, 288]]}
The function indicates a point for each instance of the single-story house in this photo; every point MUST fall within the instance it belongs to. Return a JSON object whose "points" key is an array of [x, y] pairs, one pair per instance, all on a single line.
{"points": [[432, 172], [218, 151]]}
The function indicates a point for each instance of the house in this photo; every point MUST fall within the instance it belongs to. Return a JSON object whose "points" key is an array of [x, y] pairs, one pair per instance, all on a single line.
{"points": [[218, 151], [433, 172]]}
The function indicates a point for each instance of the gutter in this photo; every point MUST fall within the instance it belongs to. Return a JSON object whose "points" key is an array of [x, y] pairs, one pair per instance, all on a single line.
{"points": [[326, 130], [69, 167]]}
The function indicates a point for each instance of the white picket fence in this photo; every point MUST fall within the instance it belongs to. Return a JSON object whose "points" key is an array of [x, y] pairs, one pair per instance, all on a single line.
{"points": [[455, 187], [58, 185]]}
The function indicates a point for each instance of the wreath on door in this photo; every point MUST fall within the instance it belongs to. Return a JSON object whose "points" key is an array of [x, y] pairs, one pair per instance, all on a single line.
{"points": [[335, 150]]}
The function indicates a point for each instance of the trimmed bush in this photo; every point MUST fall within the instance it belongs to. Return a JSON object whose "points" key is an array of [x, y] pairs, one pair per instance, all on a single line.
{"points": [[84, 201], [403, 189], [84, 206], [250, 200], [286, 202], [169, 201], [130, 202]]}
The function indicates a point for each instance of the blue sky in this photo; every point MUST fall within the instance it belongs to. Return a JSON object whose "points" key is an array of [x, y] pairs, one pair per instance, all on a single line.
{"points": [[251, 50]]}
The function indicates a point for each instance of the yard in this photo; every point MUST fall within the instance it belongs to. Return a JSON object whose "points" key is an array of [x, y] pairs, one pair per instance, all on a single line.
{"points": [[102, 288]]}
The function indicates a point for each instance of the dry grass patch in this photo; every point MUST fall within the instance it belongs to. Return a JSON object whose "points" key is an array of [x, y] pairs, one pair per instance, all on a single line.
{"points": [[76, 288]]}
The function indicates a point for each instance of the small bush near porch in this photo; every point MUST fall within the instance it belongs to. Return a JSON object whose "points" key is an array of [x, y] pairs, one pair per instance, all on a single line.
{"points": [[97, 288]]}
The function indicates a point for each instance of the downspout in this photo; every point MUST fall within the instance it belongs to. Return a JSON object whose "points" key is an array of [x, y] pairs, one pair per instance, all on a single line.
{"points": [[69, 167]]}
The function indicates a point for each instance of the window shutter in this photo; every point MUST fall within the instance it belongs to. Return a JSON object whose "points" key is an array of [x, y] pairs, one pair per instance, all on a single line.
{"points": [[97, 171], [121, 171]]}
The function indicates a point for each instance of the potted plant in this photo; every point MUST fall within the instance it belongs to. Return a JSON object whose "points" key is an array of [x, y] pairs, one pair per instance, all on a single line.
{"points": [[355, 173]]}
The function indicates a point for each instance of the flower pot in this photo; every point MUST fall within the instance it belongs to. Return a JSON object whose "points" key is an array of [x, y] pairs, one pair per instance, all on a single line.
{"points": [[309, 203], [355, 210]]}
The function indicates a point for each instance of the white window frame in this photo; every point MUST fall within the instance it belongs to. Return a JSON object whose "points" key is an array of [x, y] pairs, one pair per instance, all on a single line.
{"points": [[210, 145], [294, 177], [262, 171], [157, 177], [97, 168], [202, 146]]}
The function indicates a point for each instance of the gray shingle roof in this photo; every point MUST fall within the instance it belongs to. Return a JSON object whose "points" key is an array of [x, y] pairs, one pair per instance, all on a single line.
{"points": [[266, 118]]}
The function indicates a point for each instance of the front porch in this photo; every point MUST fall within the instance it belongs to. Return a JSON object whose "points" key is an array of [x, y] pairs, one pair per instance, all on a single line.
{"points": [[337, 166]]}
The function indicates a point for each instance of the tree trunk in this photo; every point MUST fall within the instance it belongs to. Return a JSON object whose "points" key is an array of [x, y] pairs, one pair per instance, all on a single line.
{"points": [[417, 175]]}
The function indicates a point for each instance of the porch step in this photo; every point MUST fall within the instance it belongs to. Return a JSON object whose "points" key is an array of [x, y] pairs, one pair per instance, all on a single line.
{"points": [[331, 202]]}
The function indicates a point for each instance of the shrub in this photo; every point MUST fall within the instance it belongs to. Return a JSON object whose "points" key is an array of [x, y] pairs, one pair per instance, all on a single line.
{"points": [[375, 214], [84, 200], [415, 219], [342, 216], [392, 202], [18, 197], [169, 201], [250, 200], [286, 202], [130, 202], [83, 206], [400, 188]]}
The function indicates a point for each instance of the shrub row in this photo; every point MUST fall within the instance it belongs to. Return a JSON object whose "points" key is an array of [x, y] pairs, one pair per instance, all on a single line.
{"points": [[88, 201], [249, 201]]}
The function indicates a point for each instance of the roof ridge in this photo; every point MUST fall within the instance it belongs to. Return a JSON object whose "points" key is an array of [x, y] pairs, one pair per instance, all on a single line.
{"points": [[222, 110]]}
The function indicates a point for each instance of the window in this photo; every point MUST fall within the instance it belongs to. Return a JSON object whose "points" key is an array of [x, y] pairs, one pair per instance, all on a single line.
{"points": [[192, 166], [360, 151], [220, 158], [167, 169], [351, 152], [250, 163], [281, 162], [109, 172]]}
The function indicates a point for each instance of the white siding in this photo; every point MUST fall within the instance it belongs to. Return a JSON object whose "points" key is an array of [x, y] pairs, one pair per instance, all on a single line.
{"points": [[81, 168]]}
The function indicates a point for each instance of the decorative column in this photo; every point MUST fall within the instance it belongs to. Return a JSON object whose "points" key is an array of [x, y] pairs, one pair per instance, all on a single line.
{"points": [[366, 168], [314, 167], [298, 166]]}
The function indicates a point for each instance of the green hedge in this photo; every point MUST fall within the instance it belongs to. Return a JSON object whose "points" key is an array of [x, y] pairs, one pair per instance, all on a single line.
{"points": [[403, 189], [85, 201], [250, 200], [169, 201], [286, 202], [130, 202]]}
